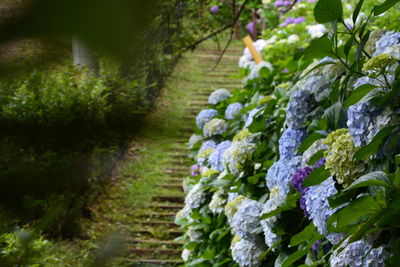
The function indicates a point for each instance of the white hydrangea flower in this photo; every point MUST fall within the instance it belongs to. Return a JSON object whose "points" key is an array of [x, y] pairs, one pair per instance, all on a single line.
{"points": [[255, 72], [245, 63], [194, 235], [236, 155], [247, 252], [194, 139], [218, 96], [293, 38], [215, 127], [276, 199], [195, 197], [185, 255], [218, 202], [316, 31]]}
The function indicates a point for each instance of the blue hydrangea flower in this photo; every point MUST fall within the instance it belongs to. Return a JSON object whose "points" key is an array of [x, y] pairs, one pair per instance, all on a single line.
{"points": [[215, 159], [289, 142], [251, 116], [247, 218], [281, 172], [359, 254], [215, 127], [205, 116], [318, 207], [390, 38], [232, 110], [247, 253], [359, 117], [298, 109], [208, 144], [218, 96], [298, 183]]}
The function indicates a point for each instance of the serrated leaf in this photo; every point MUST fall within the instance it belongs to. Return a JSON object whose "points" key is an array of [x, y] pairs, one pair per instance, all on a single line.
{"points": [[317, 176], [377, 178], [358, 94], [310, 140], [376, 143], [384, 6], [328, 10]]}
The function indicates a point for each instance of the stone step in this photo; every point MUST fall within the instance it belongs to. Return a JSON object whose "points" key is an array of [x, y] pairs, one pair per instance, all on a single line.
{"points": [[176, 169], [173, 180], [157, 223], [156, 262], [170, 233], [152, 252], [171, 186], [173, 199], [167, 206], [156, 241], [162, 214]]}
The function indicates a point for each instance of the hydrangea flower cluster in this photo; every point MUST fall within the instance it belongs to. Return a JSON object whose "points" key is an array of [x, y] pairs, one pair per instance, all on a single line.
{"points": [[298, 109], [205, 116], [215, 127], [208, 144], [318, 208], [194, 139], [289, 143], [232, 206], [218, 202], [247, 219], [247, 252], [298, 181], [255, 71], [218, 96], [232, 110], [195, 170], [389, 39], [195, 197], [215, 159], [359, 254], [252, 114], [359, 118], [236, 155], [339, 157], [281, 172]]}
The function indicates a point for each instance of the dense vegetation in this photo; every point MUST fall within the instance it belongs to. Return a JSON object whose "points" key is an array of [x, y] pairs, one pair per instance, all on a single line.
{"points": [[300, 166]]}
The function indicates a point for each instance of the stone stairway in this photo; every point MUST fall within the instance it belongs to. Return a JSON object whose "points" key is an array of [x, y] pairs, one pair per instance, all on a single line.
{"points": [[151, 242]]}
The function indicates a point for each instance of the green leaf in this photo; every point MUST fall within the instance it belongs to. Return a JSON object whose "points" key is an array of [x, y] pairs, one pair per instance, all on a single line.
{"points": [[309, 232], [377, 178], [358, 94], [332, 114], [294, 257], [254, 179], [360, 207], [317, 176], [357, 11], [317, 156], [349, 44], [318, 48], [374, 146], [328, 10], [310, 140], [384, 6], [265, 72], [342, 198]]}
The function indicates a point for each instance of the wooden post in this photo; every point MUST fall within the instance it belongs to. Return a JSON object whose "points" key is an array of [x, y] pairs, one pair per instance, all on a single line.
{"points": [[83, 55], [248, 42]]}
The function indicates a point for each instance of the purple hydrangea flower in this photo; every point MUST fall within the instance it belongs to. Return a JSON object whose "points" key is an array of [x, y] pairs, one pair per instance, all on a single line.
{"points": [[195, 170], [232, 110], [299, 176], [215, 158], [214, 9], [250, 27], [289, 142], [299, 20]]}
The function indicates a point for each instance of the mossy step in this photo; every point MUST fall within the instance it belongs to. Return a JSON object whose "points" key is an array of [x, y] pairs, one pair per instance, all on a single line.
{"points": [[156, 241], [176, 169], [178, 187], [173, 180], [168, 224], [152, 252], [154, 262], [166, 232], [162, 214], [173, 199], [167, 206], [180, 149]]}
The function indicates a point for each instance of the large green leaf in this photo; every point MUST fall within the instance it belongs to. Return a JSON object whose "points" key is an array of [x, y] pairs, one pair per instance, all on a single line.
{"points": [[328, 10], [376, 143], [318, 48], [310, 140], [377, 178], [358, 94], [384, 6], [362, 206], [317, 176], [332, 114], [308, 233]]}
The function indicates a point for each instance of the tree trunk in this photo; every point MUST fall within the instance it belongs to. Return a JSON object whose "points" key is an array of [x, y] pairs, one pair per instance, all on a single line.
{"points": [[84, 56]]}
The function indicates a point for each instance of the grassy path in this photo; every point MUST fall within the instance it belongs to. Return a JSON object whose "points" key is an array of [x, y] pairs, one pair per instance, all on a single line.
{"points": [[147, 190]]}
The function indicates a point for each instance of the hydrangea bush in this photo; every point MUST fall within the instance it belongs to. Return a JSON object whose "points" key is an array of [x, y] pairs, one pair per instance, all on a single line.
{"points": [[301, 166]]}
